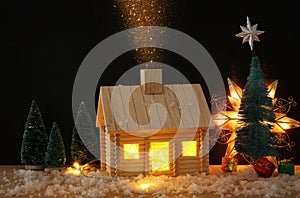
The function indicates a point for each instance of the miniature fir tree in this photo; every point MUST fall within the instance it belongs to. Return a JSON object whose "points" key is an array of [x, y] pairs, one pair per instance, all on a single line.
{"points": [[56, 154], [35, 138], [256, 111], [83, 146]]}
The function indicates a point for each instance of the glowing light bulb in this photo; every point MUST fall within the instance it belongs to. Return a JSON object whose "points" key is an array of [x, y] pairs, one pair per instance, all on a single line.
{"points": [[145, 186], [76, 165]]}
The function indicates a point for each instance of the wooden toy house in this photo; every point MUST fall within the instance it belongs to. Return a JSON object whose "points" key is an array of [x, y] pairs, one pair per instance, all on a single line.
{"points": [[153, 128]]}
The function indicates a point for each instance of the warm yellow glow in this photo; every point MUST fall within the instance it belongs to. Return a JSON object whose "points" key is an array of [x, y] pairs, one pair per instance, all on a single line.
{"points": [[145, 186], [131, 151], [235, 95], [76, 165], [235, 91], [272, 89], [189, 148], [220, 122], [76, 170], [232, 114], [288, 123], [284, 125], [235, 103], [159, 156], [229, 120]]}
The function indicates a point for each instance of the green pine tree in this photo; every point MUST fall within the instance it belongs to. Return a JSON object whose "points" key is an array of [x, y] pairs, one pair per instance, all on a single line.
{"points": [[254, 138], [85, 145], [56, 154], [79, 151], [35, 138]]}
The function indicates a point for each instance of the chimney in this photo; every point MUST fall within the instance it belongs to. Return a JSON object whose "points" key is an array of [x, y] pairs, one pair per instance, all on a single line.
{"points": [[151, 81]]}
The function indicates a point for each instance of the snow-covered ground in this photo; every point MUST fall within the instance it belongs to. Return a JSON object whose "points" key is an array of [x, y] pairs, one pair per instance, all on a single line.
{"points": [[245, 182]]}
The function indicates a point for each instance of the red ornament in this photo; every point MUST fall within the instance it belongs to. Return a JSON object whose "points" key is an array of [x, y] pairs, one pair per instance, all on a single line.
{"points": [[264, 167]]}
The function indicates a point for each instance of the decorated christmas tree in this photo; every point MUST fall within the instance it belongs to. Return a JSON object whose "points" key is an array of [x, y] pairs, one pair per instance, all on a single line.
{"points": [[56, 154], [83, 146], [254, 138], [35, 139]]}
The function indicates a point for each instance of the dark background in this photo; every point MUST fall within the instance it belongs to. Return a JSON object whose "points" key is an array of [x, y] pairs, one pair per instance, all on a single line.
{"points": [[44, 42]]}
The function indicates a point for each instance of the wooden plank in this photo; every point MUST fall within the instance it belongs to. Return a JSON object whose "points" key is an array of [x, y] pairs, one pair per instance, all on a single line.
{"points": [[154, 114], [147, 132], [173, 106], [204, 163], [106, 104], [176, 149], [168, 123], [146, 156], [192, 103], [100, 116], [151, 81], [157, 173], [187, 166], [186, 137], [185, 161], [117, 152], [188, 171], [140, 142], [140, 107], [128, 137], [185, 113], [133, 166], [117, 109], [141, 159], [203, 106], [102, 149], [129, 108], [157, 139], [204, 149], [186, 105], [129, 174], [107, 152], [199, 142], [141, 146]]}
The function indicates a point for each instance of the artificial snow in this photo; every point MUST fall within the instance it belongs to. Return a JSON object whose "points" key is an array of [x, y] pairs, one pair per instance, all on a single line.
{"points": [[98, 184]]}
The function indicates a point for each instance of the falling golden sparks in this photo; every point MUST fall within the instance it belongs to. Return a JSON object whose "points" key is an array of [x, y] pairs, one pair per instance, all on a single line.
{"points": [[229, 120], [138, 13]]}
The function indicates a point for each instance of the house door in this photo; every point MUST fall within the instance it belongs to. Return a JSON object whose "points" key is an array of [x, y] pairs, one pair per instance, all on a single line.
{"points": [[159, 156]]}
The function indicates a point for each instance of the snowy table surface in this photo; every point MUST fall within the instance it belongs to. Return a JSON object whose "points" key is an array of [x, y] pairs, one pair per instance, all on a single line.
{"points": [[17, 182]]}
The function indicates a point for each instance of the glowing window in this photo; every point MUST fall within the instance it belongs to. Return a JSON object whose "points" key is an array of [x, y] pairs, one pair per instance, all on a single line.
{"points": [[159, 156], [189, 148], [131, 151]]}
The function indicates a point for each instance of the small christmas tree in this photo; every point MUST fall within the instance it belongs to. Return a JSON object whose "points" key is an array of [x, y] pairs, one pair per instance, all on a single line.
{"points": [[56, 154], [83, 146], [35, 139], [256, 111]]}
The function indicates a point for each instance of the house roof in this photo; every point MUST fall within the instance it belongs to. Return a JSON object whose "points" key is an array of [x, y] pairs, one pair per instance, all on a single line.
{"points": [[127, 108]]}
